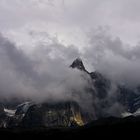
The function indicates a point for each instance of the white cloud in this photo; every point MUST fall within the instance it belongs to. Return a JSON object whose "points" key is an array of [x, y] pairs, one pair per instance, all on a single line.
{"points": [[65, 15]]}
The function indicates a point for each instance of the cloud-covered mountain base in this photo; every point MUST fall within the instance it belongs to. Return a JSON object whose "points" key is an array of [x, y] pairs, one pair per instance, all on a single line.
{"points": [[44, 75]]}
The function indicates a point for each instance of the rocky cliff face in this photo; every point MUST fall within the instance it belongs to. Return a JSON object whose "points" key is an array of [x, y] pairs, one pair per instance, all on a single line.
{"points": [[3, 116], [77, 63], [64, 114]]}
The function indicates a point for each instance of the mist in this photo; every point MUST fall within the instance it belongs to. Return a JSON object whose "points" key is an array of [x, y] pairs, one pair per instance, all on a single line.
{"points": [[112, 57], [39, 43], [44, 76]]}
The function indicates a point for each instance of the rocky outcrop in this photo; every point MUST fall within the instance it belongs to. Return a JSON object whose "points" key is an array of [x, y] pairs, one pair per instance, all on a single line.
{"points": [[77, 63], [64, 114], [3, 117]]}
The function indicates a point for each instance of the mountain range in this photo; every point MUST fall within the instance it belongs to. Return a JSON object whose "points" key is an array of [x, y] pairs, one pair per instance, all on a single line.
{"points": [[69, 114]]}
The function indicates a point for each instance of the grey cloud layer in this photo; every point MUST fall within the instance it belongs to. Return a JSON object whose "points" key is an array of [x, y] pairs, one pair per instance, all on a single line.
{"points": [[44, 73], [110, 56], [43, 76], [121, 16]]}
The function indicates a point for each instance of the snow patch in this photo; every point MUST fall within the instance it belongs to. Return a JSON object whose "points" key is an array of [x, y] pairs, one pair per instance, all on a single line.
{"points": [[9, 112]]}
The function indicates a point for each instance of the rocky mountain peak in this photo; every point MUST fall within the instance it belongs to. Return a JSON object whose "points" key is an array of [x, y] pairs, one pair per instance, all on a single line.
{"points": [[78, 63]]}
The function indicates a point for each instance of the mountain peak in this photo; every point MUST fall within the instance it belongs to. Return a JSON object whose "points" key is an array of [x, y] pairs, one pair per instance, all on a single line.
{"points": [[77, 63]]}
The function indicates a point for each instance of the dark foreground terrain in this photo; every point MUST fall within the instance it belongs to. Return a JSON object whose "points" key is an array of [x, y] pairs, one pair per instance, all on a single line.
{"points": [[109, 127]]}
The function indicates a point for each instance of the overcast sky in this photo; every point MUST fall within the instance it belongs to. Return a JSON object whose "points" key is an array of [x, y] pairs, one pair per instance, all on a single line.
{"points": [[106, 32], [70, 19]]}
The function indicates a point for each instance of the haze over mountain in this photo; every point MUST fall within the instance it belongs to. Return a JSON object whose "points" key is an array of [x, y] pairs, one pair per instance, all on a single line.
{"points": [[105, 101]]}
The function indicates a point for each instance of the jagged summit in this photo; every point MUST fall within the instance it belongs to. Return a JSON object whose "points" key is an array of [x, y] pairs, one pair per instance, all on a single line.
{"points": [[77, 63]]}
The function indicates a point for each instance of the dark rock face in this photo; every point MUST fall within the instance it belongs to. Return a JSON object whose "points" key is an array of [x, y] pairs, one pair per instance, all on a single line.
{"points": [[78, 64], [22, 108], [3, 116], [1, 109], [101, 84], [130, 98], [14, 121], [66, 114]]}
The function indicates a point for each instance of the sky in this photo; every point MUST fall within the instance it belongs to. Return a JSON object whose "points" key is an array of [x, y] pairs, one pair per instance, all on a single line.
{"points": [[39, 39], [104, 33], [70, 19]]}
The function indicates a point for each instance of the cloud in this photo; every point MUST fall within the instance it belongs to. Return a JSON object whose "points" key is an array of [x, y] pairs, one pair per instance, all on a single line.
{"points": [[49, 35], [112, 57], [43, 75], [121, 16]]}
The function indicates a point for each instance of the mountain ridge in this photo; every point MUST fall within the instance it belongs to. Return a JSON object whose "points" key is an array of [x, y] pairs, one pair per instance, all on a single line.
{"points": [[29, 114]]}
